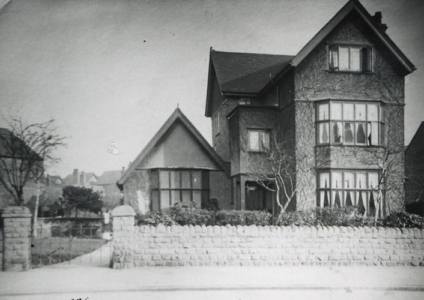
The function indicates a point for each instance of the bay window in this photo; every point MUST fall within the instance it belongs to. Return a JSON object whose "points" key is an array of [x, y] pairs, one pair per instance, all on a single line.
{"points": [[174, 186], [344, 188], [348, 123]]}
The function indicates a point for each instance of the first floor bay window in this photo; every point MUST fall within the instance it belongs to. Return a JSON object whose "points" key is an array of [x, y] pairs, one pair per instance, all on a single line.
{"points": [[349, 123], [172, 186], [343, 188]]}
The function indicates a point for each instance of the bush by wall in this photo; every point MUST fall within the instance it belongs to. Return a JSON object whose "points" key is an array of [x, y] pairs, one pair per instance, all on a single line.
{"points": [[187, 214]]}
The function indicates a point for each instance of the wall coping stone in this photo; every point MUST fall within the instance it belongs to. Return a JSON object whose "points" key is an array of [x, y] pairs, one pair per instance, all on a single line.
{"points": [[123, 211], [320, 231], [16, 212]]}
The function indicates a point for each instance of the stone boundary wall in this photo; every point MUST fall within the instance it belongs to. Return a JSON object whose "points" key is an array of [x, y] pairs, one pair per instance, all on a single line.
{"points": [[275, 246], [17, 238]]}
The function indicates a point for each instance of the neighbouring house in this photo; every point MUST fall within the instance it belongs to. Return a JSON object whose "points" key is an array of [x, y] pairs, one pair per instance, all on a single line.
{"points": [[178, 164], [81, 179], [336, 108], [54, 181], [108, 188], [414, 167], [12, 149]]}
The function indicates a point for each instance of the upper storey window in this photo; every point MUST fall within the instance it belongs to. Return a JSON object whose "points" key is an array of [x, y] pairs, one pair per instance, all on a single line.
{"points": [[348, 123], [350, 58], [259, 140]]}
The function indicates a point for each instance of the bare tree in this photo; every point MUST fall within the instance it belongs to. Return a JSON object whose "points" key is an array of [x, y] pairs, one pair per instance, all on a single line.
{"points": [[280, 165], [275, 169], [390, 157], [26, 151]]}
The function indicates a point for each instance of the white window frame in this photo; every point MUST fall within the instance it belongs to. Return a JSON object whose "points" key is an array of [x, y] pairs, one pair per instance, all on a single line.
{"points": [[261, 146], [354, 191], [329, 121], [362, 49]]}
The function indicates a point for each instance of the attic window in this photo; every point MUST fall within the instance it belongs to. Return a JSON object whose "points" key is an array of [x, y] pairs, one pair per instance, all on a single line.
{"points": [[350, 58]]}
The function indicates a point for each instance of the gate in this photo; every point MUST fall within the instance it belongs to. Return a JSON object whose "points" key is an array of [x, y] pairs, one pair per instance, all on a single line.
{"points": [[64, 242]]}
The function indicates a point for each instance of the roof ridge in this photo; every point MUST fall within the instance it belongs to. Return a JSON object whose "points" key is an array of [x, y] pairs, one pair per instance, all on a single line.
{"points": [[250, 53]]}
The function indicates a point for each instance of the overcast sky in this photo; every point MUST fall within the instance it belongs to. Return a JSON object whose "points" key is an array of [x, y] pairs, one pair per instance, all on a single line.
{"points": [[114, 71]]}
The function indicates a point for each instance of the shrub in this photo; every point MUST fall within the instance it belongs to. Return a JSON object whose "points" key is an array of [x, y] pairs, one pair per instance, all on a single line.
{"points": [[212, 204], [404, 220], [345, 216], [154, 219], [186, 213], [234, 217]]}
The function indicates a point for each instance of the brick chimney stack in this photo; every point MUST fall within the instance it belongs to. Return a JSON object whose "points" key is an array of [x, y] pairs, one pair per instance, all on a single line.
{"points": [[378, 17], [75, 177]]}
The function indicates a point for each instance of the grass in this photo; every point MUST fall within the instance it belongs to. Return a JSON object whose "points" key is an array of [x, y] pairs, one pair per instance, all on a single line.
{"points": [[53, 250]]}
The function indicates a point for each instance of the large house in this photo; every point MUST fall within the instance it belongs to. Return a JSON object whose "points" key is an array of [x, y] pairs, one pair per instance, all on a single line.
{"points": [[336, 109]]}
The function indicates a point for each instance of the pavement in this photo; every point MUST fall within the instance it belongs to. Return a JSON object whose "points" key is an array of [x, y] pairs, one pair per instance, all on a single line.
{"points": [[301, 282]]}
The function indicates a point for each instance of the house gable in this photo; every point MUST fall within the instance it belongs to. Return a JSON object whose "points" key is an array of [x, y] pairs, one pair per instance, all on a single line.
{"points": [[354, 5], [315, 80], [178, 144]]}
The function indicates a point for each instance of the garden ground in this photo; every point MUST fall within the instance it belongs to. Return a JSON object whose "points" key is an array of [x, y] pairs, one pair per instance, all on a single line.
{"points": [[212, 282]]}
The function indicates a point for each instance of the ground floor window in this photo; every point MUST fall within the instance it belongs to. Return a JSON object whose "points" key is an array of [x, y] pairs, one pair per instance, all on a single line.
{"points": [[171, 186], [341, 188]]}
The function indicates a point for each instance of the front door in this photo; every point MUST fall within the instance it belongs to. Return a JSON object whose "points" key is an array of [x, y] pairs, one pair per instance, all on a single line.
{"points": [[258, 197]]}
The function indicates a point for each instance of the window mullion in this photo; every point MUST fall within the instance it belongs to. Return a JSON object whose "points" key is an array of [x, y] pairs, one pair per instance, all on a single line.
{"points": [[348, 57], [354, 123], [338, 57]]}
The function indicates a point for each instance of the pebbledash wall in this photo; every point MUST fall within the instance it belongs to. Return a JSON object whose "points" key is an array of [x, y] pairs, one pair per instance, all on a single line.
{"points": [[141, 246]]}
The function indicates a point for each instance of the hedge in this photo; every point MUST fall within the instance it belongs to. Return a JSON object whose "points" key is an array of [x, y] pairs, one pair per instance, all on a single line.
{"points": [[187, 214]]}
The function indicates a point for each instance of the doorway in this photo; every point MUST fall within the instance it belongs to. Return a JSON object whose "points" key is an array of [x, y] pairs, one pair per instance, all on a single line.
{"points": [[258, 197]]}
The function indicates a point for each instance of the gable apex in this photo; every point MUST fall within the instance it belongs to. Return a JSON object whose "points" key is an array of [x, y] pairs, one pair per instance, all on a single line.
{"points": [[354, 5], [177, 116]]}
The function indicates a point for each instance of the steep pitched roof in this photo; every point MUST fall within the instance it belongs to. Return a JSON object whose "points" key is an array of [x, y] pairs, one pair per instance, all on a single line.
{"points": [[252, 74], [68, 180], [357, 6], [109, 177], [243, 73], [246, 73], [12, 146], [176, 115], [417, 140], [89, 175]]}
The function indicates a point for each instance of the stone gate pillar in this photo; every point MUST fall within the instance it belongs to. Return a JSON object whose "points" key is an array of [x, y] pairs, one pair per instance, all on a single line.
{"points": [[17, 238], [123, 237]]}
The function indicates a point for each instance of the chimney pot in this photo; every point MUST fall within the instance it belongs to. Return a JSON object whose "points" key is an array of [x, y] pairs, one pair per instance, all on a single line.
{"points": [[378, 16]]}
